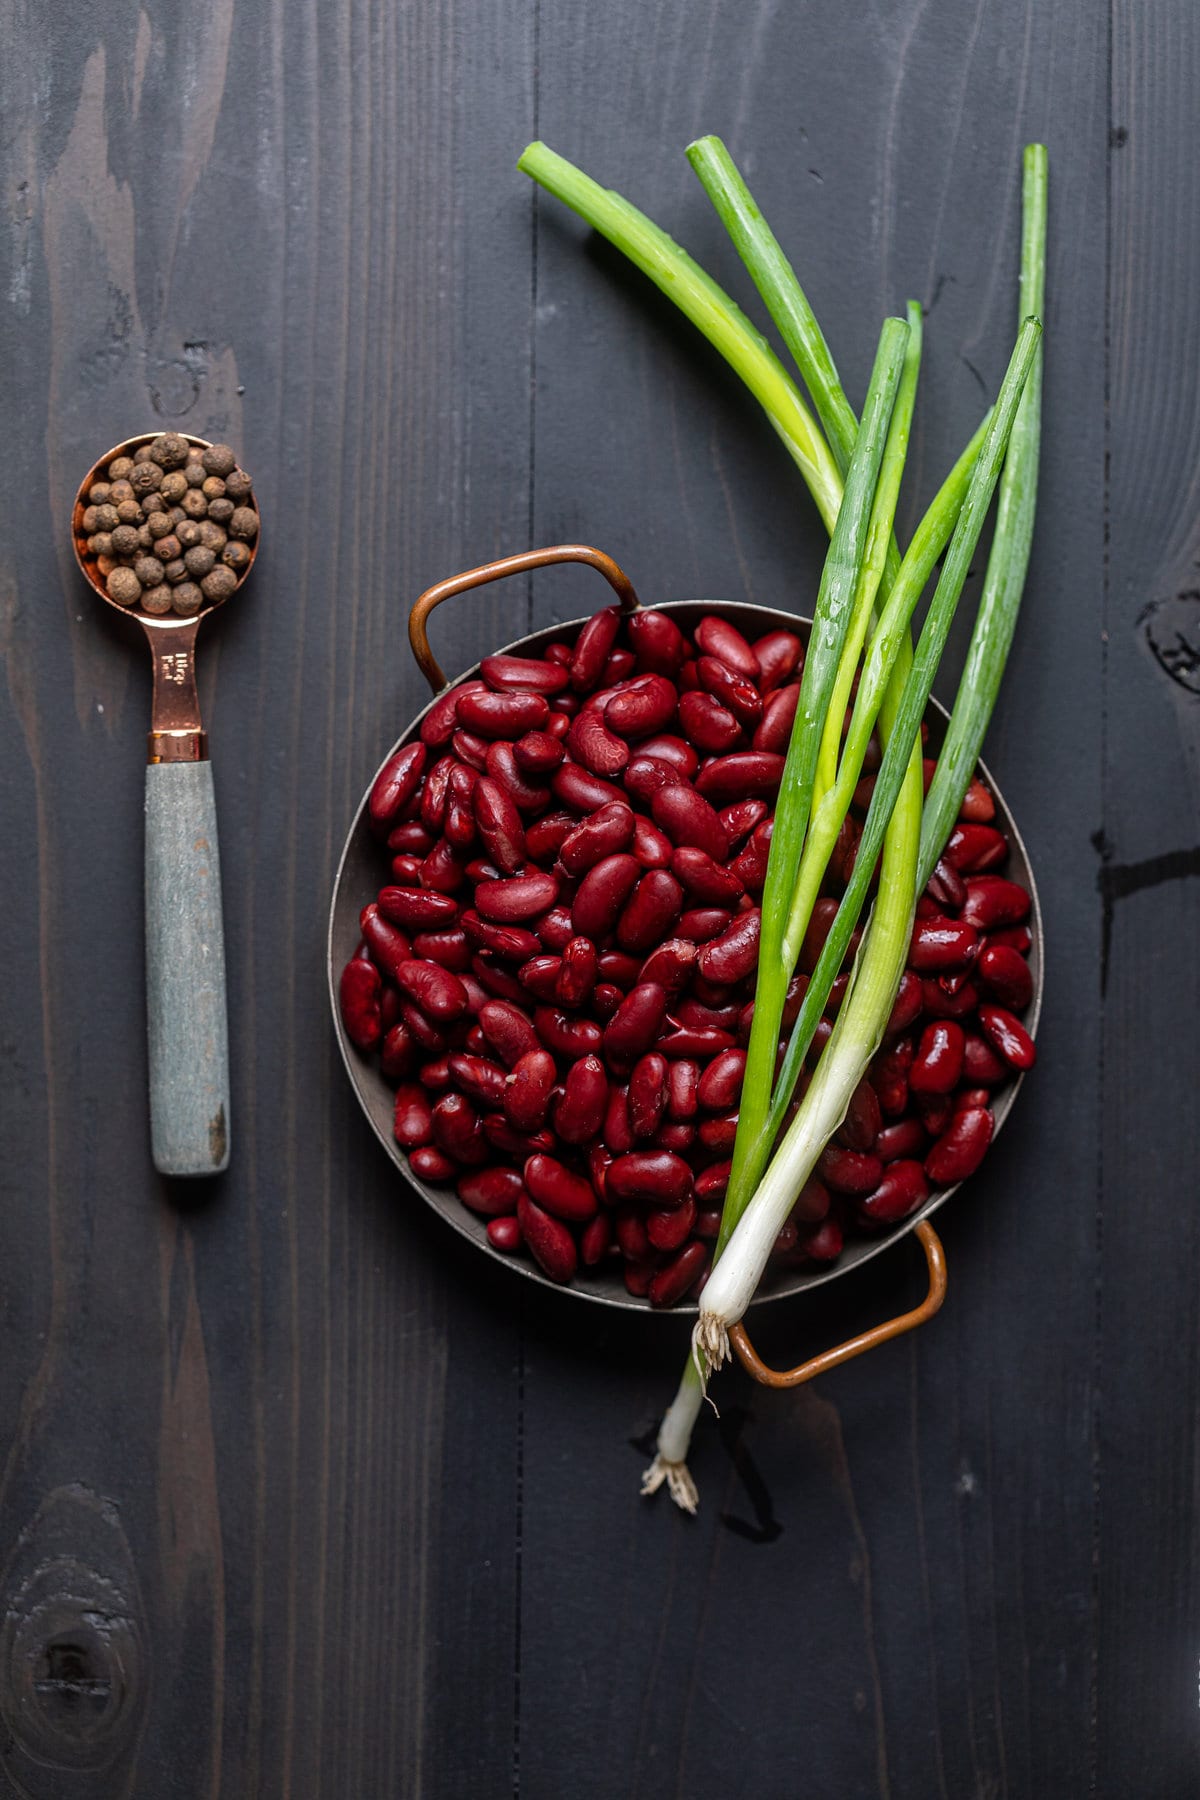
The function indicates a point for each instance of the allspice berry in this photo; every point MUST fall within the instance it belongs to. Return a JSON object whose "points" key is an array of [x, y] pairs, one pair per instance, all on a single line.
{"points": [[219, 459], [120, 490], [144, 537], [174, 486], [159, 524], [198, 560], [101, 544], [187, 598], [169, 450], [236, 557], [194, 504], [219, 583], [194, 472], [125, 541], [188, 533], [123, 586], [120, 468], [212, 487], [159, 599], [144, 477], [107, 517], [220, 511], [175, 571], [244, 523], [99, 492], [168, 548], [148, 570], [212, 535], [238, 485], [129, 512]]}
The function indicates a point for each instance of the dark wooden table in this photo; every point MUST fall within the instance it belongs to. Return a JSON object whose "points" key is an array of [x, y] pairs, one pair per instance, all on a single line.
{"points": [[297, 1499]]}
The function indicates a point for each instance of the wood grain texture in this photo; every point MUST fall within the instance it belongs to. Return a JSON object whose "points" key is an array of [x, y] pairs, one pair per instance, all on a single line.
{"points": [[295, 1500]]}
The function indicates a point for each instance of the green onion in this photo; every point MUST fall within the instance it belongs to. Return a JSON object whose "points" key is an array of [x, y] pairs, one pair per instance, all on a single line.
{"points": [[1009, 558]]}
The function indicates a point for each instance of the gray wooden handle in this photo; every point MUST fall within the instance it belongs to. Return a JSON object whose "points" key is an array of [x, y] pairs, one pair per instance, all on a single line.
{"points": [[185, 973]]}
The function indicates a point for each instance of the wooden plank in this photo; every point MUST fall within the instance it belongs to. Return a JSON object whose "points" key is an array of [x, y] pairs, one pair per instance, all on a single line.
{"points": [[889, 1585], [252, 1429], [1148, 1547]]}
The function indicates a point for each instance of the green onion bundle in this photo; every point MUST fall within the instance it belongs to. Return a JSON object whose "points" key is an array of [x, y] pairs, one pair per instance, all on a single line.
{"points": [[863, 613]]}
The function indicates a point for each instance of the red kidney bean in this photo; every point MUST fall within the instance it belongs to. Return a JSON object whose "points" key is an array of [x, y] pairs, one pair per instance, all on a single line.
{"points": [[437, 727], [822, 1245], [944, 998], [395, 784], [849, 1171], [650, 912], [672, 1283], [525, 674], [669, 1227], [440, 995], [490, 1192], [735, 693], [416, 909], [968, 1098], [619, 667], [470, 750], [502, 766], [741, 818], [678, 1135], [719, 1134], [618, 1127], [938, 1064], [441, 870], [902, 1189], [508, 1031], [526, 1097], [631, 1234], [592, 647], [479, 1079], [591, 743], [864, 1120], [602, 895], [544, 836], [657, 641], [658, 1176], [946, 886], [720, 1086], [648, 1095], [636, 1023], [434, 794], [711, 1184], [398, 1052], [449, 948], [504, 1234], [458, 1130], [981, 1066], [537, 753], [785, 1242], [774, 730], [499, 823], [504, 1137], [670, 965], [972, 849], [539, 976], [1007, 1035], [559, 653], [638, 1276], [410, 837], [387, 944], [412, 1116], [889, 1075], [598, 1159], [594, 1240], [475, 1044], [780, 656], [435, 1075], [561, 1193], [581, 1106], [584, 792], [666, 747], [429, 1163], [577, 972], [1007, 974], [682, 1082], [554, 929], [907, 1005], [939, 944], [717, 637], [548, 1239], [566, 1036], [651, 846], [480, 869], [978, 805], [513, 942], [907, 1137], [750, 864], [693, 1011], [820, 923], [518, 897], [428, 1035], [936, 1111], [646, 774], [1013, 937], [647, 705], [618, 967], [993, 901], [733, 955], [507, 716], [606, 997], [704, 879], [959, 1151], [709, 725], [605, 833], [359, 994], [694, 1040], [687, 818]]}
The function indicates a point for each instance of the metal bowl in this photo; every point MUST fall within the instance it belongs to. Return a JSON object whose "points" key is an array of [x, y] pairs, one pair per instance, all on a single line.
{"points": [[363, 867]]}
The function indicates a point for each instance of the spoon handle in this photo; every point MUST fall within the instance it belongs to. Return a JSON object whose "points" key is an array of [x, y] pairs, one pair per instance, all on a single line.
{"points": [[185, 972]]}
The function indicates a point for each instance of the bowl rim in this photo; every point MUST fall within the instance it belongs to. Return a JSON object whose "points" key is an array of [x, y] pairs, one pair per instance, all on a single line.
{"points": [[473, 1228]]}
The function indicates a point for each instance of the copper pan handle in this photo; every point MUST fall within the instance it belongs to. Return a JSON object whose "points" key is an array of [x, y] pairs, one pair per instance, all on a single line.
{"points": [[418, 629], [935, 1258]]}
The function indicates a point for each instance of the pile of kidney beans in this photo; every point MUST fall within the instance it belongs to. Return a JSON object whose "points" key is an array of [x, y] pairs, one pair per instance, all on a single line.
{"points": [[559, 974]]}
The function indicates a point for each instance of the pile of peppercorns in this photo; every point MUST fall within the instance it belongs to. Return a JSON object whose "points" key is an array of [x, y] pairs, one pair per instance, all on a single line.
{"points": [[171, 527]]}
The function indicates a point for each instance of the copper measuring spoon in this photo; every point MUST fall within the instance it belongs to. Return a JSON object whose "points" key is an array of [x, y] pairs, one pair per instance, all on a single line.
{"points": [[185, 940]]}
